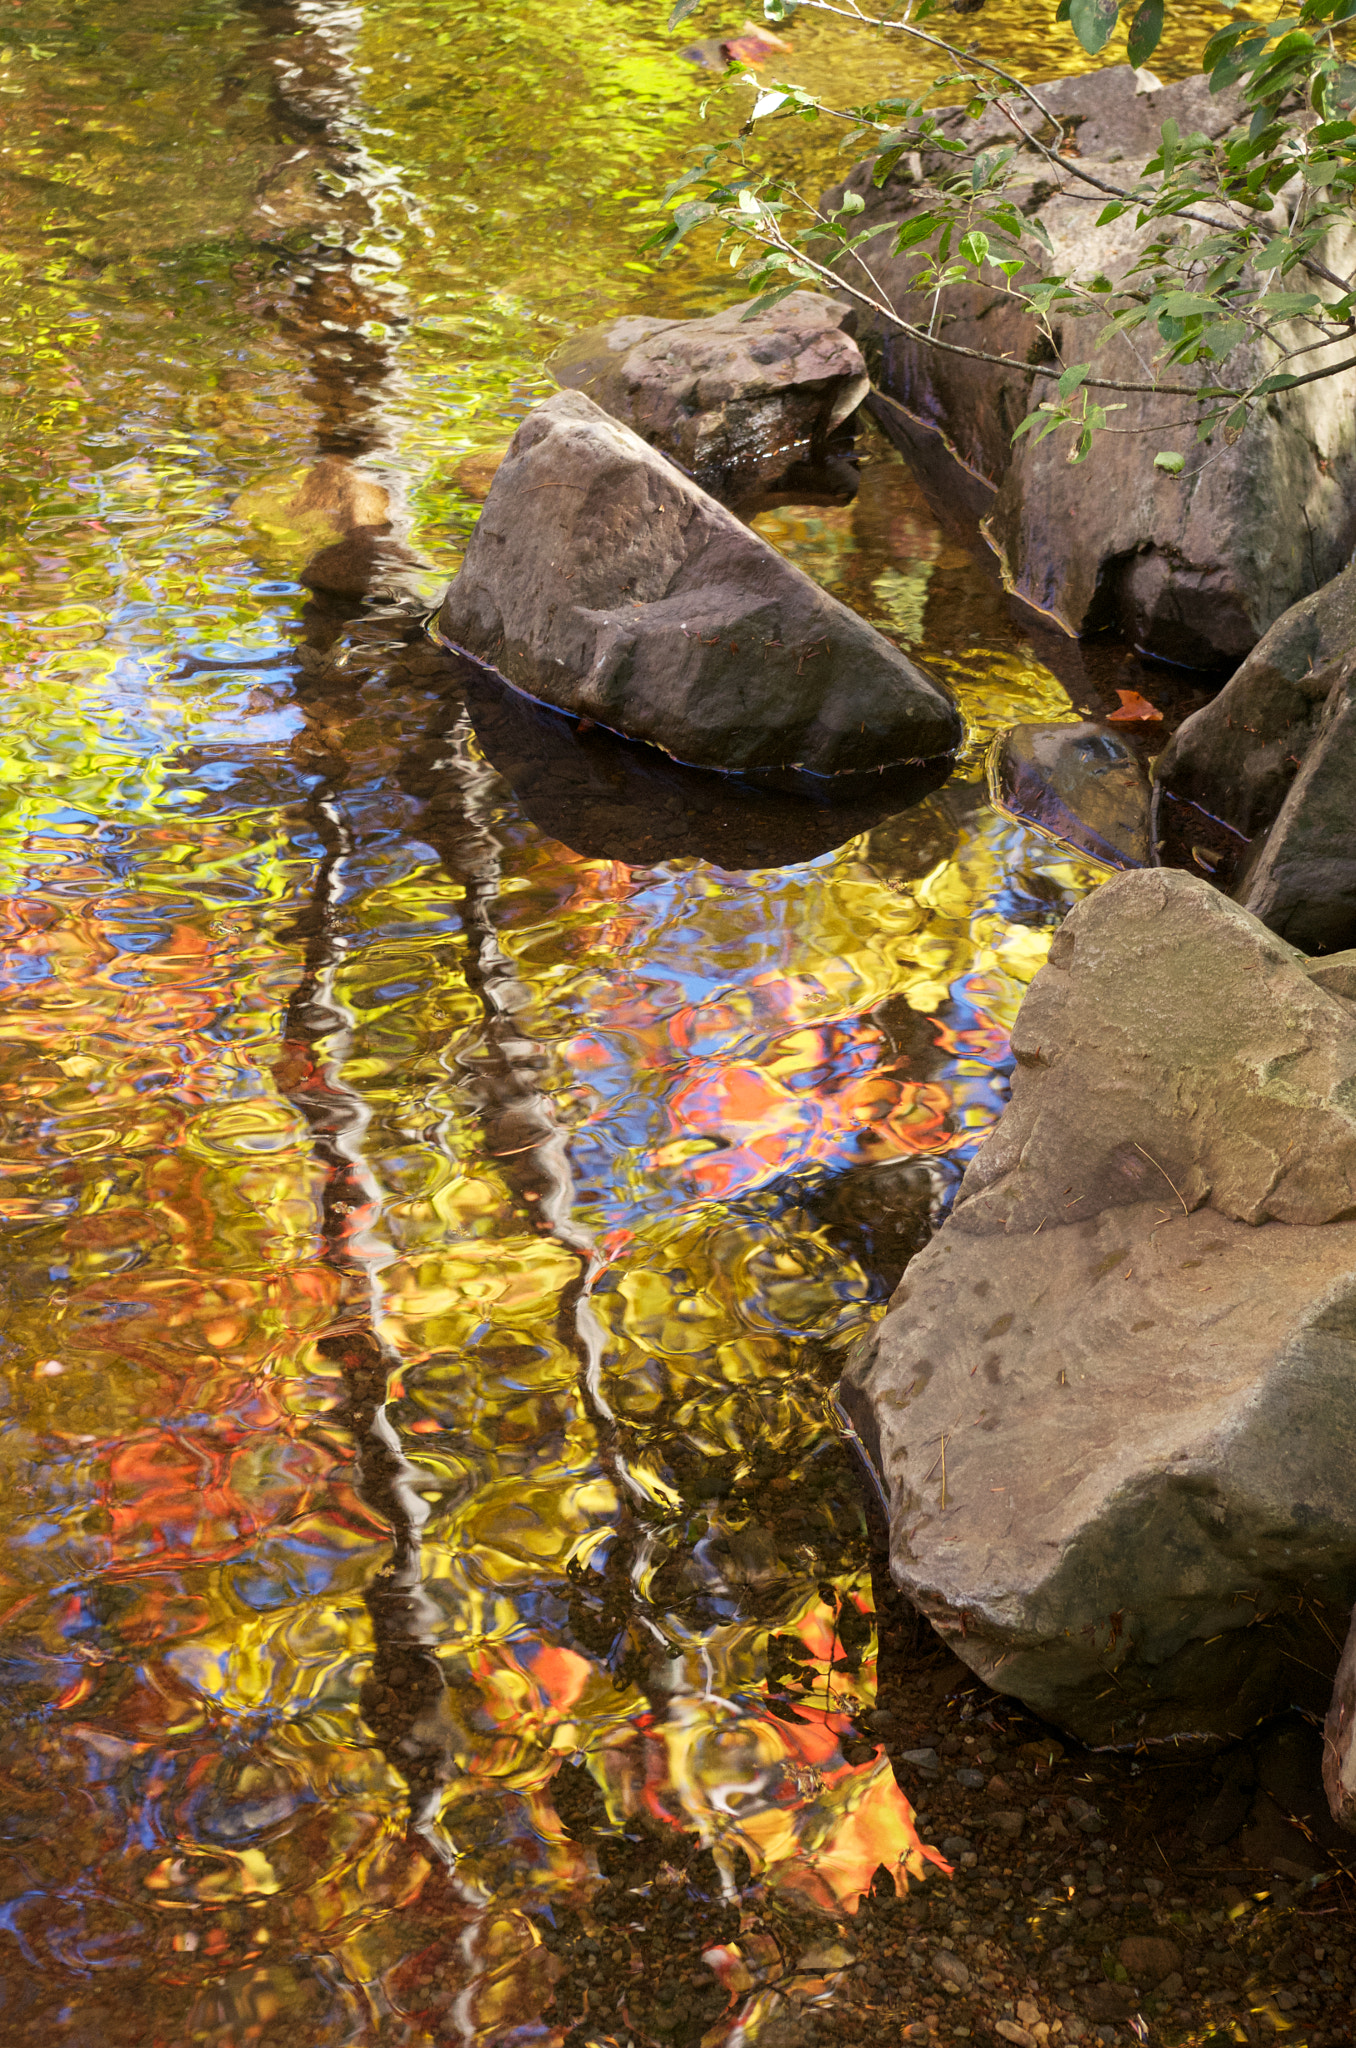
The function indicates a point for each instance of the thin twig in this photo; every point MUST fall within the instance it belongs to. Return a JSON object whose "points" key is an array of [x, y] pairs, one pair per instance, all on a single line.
{"points": [[1166, 1175]]}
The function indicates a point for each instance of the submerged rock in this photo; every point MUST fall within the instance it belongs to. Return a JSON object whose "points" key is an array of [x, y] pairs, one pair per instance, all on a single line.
{"points": [[1080, 783], [1113, 1404], [334, 523], [734, 402], [601, 580], [1192, 568]]}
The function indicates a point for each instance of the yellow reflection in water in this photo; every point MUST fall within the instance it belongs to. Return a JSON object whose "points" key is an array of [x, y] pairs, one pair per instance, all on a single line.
{"points": [[275, 1773]]}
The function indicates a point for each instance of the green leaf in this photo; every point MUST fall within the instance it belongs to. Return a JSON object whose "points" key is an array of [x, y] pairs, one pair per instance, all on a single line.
{"points": [[1282, 381], [768, 299], [1072, 378], [1186, 305], [681, 12], [1111, 212], [1093, 21], [1062, 14], [975, 247], [916, 230], [1169, 459], [1145, 30], [1010, 269]]}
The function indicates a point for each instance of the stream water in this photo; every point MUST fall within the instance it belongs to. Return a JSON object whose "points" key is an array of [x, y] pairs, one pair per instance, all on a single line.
{"points": [[446, 1157]]}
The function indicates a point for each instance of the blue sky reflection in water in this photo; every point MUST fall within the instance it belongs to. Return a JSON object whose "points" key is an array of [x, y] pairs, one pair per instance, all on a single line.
{"points": [[375, 1162]]}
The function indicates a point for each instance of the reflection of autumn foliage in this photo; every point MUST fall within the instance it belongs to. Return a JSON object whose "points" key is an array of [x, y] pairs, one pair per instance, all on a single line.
{"points": [[776, 1786], [764, 1085]]}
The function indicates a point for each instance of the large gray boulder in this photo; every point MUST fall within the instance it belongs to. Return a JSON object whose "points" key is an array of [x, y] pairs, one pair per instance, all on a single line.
{"points": [[1193, 568], [733, 401], [1113, 1404], [601, 580]]}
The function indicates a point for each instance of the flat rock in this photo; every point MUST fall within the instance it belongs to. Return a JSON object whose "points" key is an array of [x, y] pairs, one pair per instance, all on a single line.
{"points": [[1081, 784], [733, 401], [1147, 1416], [1193, 568], [601, 580]]}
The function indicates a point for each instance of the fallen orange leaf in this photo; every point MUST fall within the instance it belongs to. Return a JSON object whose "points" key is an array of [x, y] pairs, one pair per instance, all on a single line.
{"points": [[1135, 710]]}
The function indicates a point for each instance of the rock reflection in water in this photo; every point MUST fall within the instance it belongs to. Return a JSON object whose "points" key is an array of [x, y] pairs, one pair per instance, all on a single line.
{"points": [[609, 799]]}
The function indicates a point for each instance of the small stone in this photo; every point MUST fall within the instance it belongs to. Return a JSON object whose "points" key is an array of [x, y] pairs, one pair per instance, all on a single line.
{"points": [[1010, 1822], [1172, 1987], [1149, 1958], [925, 1760], [1027, 2012], [826, 1955], [998, 1787], [1008, 2030], [970, 1779], [955, 1845], [952, 1971]]}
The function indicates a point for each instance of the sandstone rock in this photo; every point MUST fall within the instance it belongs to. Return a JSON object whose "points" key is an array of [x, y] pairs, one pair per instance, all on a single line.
{"points": [[1339, 1739], [1193, 568], [1301, 881], [1114, 1434], [1183, 1095], [1336, 974], [601, 580], [1080, 783], [1274, 757], [733, 402], [1237, 756]]}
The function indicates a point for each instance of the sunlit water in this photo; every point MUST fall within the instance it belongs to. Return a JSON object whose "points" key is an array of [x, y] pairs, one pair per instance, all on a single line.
{"points": [[442, 1176]]}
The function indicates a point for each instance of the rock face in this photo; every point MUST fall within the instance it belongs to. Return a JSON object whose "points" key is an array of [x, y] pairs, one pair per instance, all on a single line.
{"points": [[1193, 568], [601, 580], [733, 402], [1080, 783], [1113, 1404], [1274, 757], [1339, 1739]]}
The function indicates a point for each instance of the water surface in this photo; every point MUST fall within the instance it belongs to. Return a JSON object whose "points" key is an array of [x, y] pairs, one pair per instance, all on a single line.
{"points": [[446, 1158]]}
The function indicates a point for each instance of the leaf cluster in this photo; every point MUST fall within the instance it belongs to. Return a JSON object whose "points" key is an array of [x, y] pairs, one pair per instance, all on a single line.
{"points": [[1243, 240]]}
